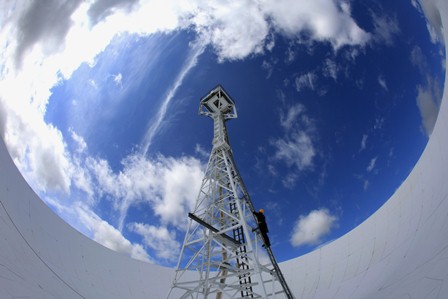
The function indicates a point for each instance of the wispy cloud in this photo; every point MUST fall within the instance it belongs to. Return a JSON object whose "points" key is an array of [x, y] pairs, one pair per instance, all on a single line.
{"points": [[307, 80], [330, 69], [366, 184], [201, 151], [382, 82], [290, 116], [386, 29], [429, 93], [312, 228], [117, 79], [363, 142], [372, 164], [296, 148], [155, 124]]}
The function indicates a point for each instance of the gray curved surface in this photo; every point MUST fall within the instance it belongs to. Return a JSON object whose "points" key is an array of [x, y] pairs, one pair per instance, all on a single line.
{"points": [[401, 251], [41, 256]]}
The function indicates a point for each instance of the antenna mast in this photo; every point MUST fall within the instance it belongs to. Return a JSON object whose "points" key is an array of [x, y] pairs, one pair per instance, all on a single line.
{"points": [[221, 256]]}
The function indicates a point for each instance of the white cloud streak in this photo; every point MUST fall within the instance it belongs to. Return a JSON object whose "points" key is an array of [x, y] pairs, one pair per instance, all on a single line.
{"points": [[155, 125], [330, 69], [382, 83], [372, 164], [310, 229], [307, 80], [363, 142], [366, 184]]}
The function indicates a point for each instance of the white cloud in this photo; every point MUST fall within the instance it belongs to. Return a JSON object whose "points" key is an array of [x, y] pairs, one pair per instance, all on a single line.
{"points": [[290, 179], [108, 236], [297, 147], [386, 28], [427, 105], [351, 54], [236, 29], [117, 79], [38, 149], [382, 82], [429, 93], [372, 164], [418, 59], [160, 239], [81, 143], [298, 150], [288, 119], [366, 184], [330, 69], [307, 80], [310, 229], [323, 20], [239, 29], [169, 185], [363, 142], [379, 123], [268, 66], [201, 151]]}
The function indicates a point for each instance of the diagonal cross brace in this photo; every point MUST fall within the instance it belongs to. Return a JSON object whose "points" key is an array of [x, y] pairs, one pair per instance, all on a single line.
{"points": [[213, 229]]}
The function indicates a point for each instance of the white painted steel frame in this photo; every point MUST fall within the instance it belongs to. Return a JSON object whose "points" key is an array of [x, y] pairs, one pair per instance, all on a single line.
{"points": [[218, 263]]}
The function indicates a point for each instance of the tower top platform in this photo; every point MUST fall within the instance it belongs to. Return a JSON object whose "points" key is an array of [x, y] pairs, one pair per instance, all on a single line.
{"points": [[218, 102]]}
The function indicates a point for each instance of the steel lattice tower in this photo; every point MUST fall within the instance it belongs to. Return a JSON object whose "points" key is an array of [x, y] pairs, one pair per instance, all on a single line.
{"points": [[221, 256]]}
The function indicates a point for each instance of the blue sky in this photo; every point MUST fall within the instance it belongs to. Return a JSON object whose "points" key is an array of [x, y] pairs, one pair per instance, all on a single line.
{"points": [[335, 100]]}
